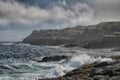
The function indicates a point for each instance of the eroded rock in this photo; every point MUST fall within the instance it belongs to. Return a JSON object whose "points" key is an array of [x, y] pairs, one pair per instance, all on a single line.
{"points": [[53, 58], [94, 71]]}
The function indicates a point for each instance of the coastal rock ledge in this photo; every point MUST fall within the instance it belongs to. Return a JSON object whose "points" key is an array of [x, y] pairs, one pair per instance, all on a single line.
{"points": [[94, 71], [102, 35]]}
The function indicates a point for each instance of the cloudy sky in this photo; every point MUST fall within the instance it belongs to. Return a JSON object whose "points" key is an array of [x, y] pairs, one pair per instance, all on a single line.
{"points": [[19, 17]]}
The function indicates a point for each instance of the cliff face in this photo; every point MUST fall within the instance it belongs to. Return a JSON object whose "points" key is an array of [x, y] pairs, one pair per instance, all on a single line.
{"points": [[103, 35], [55, 37]]}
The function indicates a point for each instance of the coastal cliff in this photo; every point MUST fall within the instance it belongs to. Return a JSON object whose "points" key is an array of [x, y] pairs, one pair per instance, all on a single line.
{"points": [[102, 35], [55, 37]]}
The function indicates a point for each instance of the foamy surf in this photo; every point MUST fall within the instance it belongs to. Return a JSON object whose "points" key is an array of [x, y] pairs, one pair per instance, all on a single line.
{"points": [[77, 61], [34, 70], [18, 61], [6, 43]]}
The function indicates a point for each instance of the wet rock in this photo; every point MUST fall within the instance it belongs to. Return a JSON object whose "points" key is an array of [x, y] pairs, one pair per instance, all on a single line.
{"points": [[99, 77], [53, 58], [115, 77], [5, 67], [108, 72], [70, 45], [116, 57], [94, 71], [101, 64]]}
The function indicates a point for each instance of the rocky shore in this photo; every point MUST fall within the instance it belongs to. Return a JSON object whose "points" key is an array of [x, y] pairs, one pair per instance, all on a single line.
{"points": [[94, 71], [102, 35], [52, 58]]}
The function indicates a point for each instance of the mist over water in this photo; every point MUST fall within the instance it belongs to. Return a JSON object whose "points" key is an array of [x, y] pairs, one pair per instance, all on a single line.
{"points": [[18, 61]]}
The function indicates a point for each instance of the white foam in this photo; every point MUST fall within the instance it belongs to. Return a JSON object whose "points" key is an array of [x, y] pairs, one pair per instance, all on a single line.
{"points": [[54, 69], [7, 43], [80, 60], [76, 61], [5, 77]]}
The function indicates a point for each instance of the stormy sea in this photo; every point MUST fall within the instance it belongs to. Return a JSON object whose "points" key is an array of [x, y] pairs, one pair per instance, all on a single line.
{"points": [[24, 62]]}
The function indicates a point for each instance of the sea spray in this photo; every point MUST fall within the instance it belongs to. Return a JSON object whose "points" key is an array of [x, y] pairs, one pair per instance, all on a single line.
{"points": [[34, 70], [77, 61], [21, 64]]}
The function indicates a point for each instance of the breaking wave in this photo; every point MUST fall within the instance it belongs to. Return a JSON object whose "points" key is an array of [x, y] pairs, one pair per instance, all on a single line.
{"points": [[17, 62]]}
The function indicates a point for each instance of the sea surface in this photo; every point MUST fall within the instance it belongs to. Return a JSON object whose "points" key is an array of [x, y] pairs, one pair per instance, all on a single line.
{"points": [[20, 61]]}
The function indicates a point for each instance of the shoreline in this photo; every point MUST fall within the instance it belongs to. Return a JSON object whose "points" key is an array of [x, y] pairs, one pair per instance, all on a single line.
{"points": [[94, 71]]}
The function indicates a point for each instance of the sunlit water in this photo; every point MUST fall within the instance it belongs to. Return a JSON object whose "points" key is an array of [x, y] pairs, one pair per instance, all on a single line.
{"points": [[18, 61]]}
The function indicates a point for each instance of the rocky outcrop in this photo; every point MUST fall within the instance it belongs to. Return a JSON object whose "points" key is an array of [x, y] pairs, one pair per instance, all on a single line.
{"points": [[94, 71], [55, 37], [103, 35], [106, 41], [52, 58]]}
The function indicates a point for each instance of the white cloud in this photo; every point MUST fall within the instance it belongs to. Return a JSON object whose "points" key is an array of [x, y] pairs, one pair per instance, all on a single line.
{"points": [[106, 10], [61, 15], [77, 14], [14, 12]]}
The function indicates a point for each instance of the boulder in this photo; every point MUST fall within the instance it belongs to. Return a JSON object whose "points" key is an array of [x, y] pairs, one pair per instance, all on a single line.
{"points": [[53, 58]]}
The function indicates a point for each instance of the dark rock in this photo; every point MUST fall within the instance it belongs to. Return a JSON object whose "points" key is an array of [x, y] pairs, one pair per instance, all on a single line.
{"points": [[5, 68], [94, 71], [70, 45], [53, 58], [101, 64], [108, 72], [99, 77], [115, 78], [116, 57]]}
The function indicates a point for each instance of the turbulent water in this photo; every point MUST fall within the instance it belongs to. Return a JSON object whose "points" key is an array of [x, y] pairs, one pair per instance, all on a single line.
{"points": [[18, 61]]}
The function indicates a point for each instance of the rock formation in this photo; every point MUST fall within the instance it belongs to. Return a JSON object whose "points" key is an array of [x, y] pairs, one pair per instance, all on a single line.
{"points": [[55, 37], [103, 35], [94, 71]]}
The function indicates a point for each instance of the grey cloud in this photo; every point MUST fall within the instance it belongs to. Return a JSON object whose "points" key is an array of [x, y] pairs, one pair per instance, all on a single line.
{"points": [[11, 35], [18, 13], [14, 12], [105, 10], [88, 12], [15, 16]]}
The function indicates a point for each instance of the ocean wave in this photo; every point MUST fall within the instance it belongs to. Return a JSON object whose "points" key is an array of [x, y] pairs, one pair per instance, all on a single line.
{"points": [[7, 43], [76, 61], [32, 70], [19, 61]]}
